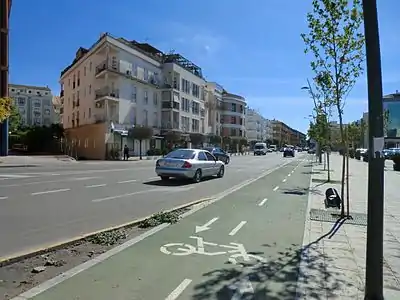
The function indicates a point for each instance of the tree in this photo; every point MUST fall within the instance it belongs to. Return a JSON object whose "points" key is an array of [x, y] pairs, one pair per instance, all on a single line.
{"points": [[197, 138], [14, 121], [5, 108], [336, 41], [140, 133]]}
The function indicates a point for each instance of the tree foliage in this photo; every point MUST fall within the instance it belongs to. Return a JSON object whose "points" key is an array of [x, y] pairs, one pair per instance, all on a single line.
{"points": [[197, 138], [336, 42], [5, 108], [15, 120], [140, 133]]}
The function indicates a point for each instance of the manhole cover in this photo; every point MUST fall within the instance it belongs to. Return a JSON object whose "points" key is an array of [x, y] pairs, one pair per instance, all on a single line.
{"points": [[331, 217]]}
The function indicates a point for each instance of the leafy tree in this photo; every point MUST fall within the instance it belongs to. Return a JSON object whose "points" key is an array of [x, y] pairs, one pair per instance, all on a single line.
{"points": [[336, 42], [215, 139], [15, 121], [140, 133], [5, 108], [197, 138]]}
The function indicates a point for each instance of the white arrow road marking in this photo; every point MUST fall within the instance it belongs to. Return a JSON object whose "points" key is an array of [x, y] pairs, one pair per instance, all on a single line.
{"points": [[262, 202], [205, 226], [242, 288], [179, 290], [237, 228]]}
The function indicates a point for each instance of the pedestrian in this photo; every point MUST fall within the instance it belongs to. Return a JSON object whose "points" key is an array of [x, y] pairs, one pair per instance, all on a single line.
{"points": [[126, 152]]}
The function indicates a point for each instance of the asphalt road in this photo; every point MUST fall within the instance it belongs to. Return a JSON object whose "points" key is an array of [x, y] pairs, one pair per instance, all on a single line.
{"points": [[190, 259], [41, 206]]}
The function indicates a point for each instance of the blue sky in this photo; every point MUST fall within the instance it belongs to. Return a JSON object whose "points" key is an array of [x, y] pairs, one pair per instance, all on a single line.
{"points": [[252, 48]]}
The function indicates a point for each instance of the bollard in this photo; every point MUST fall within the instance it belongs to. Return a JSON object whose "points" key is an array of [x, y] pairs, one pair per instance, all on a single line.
{"points": [[332, 198]]}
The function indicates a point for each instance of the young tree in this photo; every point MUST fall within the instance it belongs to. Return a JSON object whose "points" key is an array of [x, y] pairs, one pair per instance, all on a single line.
{"points": [[14, 120], [5, 108], [336, 41], [140, 133]]}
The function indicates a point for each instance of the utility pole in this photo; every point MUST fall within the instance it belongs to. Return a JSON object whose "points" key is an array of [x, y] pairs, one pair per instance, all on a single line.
{"points": [[5, 8], [374, 276]]}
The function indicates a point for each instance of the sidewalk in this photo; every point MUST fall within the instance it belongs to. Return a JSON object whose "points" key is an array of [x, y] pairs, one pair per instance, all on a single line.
{"points": [[333, 260]]}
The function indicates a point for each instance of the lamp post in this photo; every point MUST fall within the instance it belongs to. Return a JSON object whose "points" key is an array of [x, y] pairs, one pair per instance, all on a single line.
{"points": [[375, 231]]}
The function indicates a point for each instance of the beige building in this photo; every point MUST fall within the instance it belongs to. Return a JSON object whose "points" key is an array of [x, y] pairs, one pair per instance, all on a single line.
{"points": [[34, 104], [117, 84]]}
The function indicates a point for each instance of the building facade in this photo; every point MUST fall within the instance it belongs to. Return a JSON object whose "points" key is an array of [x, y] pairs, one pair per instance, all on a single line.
{"points": [[285, 135], [233, 116], [34, 103], [215, 107], [256, 126], [118, 84]]}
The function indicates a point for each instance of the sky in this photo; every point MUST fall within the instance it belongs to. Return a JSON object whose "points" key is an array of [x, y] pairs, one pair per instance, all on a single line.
{"points": [[252, 48]]}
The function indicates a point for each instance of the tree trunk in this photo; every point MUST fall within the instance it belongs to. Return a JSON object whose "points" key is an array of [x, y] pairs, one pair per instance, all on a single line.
{"points": [[328, 165], [347, 184], [343, 142], [140, 149], [325, 161]]}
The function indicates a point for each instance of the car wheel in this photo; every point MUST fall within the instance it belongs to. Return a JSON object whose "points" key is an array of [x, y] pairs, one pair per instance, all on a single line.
{"points": [[227, 160], [197, 176], [164, 177], [221, 172]]}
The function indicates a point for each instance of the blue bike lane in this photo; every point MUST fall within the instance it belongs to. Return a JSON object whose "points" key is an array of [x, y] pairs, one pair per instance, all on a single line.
{"points": [[244, 246]]}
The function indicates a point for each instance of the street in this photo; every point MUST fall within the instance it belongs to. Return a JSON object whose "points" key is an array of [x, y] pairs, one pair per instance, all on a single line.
{"points": [[212, 253], [41, 206]]}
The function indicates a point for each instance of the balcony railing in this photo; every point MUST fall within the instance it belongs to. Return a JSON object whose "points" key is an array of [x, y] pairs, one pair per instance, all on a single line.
{"points": [[106, 92]]}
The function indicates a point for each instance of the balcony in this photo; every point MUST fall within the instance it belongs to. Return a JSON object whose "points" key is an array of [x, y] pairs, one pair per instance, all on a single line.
{"points": [[170, 105], [107, 92], [61, 93]]}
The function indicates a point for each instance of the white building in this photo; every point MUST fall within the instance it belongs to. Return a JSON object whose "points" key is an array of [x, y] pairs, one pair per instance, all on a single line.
{"points": [[34, 104], [214, 99], [255, 126], [117, 84], [268, 125]]}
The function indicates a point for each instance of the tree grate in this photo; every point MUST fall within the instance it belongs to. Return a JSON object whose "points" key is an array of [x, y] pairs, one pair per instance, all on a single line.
{"points": [[332, 217]]}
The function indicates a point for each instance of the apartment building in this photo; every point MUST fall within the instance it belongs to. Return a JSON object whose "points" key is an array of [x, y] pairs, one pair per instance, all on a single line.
{"points": [[56, 101], [255, 126], [283, 134], [233, 115], [34, 104], [215, 107], [117, 84]]}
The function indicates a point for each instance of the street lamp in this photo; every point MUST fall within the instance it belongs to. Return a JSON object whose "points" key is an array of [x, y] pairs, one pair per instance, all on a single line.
{"points": [[376, 164]]}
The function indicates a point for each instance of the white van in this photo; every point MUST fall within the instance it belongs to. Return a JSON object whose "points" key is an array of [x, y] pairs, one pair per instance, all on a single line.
{"points": [[260, 149]]}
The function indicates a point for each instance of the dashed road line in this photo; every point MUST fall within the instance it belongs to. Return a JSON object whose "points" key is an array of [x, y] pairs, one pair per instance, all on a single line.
{"points": [[50, 192], [284, 180], [179, 289], [290, 174], [3, 198], [262, 202], [128, 181], [276, 188], [95, 185], [237, 228]]}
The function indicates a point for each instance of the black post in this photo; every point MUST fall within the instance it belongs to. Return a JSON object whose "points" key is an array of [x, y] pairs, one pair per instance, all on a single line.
{"points": [[374, 276]]}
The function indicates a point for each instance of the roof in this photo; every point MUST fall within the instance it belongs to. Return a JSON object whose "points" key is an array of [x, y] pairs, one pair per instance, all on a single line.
{"points": [[34, 87]]}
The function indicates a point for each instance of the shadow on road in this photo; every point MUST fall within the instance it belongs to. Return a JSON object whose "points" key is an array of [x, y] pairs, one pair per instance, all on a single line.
{"points": [[174, 182], [300, 191], [278, 278], [311, 172]]}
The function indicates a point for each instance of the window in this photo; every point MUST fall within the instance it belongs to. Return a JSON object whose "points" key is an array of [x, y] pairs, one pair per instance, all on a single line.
{"points": [[202, 156], [233, 107], [185, 86], [195, 125], [155, 98], [133, 96], [195, 108], [79, 78], [210, 157], [146, 75], [233, 120], [233, 132], [145, 118], [90, 89], [73, 82], [90, 66], [21, 101], [90, 113], [155, 119], [84, 71], [185, 104], [146, 97], [195, 90]]}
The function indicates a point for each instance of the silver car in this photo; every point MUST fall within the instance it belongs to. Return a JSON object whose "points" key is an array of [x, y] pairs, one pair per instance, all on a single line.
{"points": [[192, 164]]}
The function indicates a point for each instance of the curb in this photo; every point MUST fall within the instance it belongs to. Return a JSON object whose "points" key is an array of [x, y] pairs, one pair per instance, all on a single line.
{"points": [[4, 261]]}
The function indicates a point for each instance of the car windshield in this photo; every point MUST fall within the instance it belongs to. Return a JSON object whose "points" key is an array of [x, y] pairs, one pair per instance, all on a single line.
{"points": [[259, 147], [182, 154]]}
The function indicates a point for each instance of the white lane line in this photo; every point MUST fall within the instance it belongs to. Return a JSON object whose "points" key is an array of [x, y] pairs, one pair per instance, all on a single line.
{"points": [[179, 290], [3, 198], [95, 185], [50, 192], [276, 188], [49, 181], [262, 202], [152, 178], [237, 228], [14, 176], [284, 180], [290, 174], [127, 181]]}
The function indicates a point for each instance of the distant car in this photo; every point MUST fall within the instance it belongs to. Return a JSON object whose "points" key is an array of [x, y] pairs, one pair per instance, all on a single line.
{"points": [[260, 149], [193, 164], [219, 153], [288, 152]]}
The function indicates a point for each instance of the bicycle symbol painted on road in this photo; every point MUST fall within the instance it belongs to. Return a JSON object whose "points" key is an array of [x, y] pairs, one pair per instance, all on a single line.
{"points": [[236, 251]]}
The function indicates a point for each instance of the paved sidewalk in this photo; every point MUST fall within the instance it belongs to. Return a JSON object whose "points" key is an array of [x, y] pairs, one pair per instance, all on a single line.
{"points": [[333, 260]]}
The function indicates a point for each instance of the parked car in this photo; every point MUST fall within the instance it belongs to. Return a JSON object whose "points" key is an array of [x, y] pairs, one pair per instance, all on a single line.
{"points": [[311, 151], [288, 152], [192, 164], [219, 153]]}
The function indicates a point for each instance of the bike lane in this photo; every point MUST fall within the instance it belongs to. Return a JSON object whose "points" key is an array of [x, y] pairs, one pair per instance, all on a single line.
{"points": [[263, 221]]}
